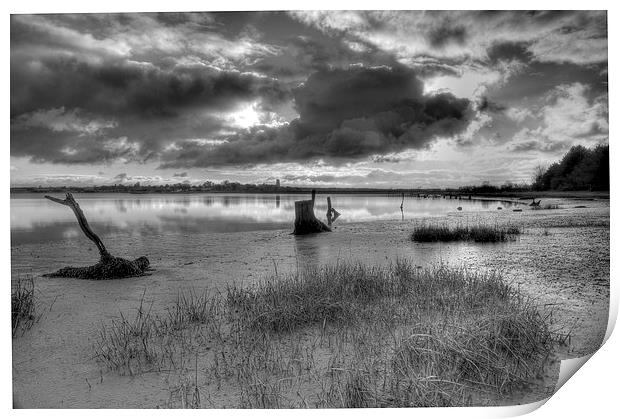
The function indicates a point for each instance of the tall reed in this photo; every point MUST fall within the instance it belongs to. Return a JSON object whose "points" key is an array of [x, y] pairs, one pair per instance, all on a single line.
{"points": [[23, 305]]}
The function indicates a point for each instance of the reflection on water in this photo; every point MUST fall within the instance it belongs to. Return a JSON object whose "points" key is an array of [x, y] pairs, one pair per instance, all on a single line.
{"points": [[35, 219]]}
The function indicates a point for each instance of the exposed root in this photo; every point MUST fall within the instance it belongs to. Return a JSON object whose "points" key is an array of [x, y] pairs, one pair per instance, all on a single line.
{"points": [[112, 268]]}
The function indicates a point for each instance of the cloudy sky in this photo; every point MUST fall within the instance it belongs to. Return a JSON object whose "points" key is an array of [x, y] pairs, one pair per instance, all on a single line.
{"points": [[380, 99]]}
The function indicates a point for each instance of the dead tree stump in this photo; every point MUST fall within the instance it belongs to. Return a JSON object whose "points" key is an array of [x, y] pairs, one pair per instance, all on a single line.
{"points": [[108, 267], [305, 221]]}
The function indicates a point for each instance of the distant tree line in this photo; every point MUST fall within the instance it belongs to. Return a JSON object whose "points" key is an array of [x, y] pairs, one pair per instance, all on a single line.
{"points": [[184, 187], [487, 188], [580, 169]]}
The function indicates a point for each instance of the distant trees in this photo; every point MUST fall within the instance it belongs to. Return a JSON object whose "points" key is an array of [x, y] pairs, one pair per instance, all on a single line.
{"points": [[487, 188], [580, 169]]}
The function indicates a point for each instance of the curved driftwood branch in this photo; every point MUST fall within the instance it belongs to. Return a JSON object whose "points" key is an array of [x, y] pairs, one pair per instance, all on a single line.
{"points": [[109, 267], [75, 207]]}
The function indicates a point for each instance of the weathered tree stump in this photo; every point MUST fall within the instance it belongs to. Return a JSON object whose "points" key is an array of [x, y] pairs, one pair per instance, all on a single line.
{"points": [[305, 221], [108, 267]]}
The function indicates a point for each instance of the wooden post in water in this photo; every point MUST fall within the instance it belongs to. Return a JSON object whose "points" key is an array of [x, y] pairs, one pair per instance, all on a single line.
{"points": [[329, 211], [331, 214]]}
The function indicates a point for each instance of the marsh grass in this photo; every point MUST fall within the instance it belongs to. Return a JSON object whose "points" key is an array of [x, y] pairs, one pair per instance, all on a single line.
{"points": [[186, 394], [345, 335], [23, 305], [347, 293], [190, 309], [146, 341], [330, 293], [480, 233]]}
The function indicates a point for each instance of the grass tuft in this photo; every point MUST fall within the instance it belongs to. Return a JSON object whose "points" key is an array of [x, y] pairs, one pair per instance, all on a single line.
{"points": [[283, 304], [190, 309], [23, 305], [340, 293], [144, 342], [480, 233]]}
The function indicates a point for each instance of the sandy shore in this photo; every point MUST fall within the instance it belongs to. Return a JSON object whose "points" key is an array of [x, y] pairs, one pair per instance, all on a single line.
{"points": [[561, 260]]}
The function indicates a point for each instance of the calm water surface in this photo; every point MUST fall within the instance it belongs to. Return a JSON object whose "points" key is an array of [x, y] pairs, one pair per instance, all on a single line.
{"points": [[35, 219]]}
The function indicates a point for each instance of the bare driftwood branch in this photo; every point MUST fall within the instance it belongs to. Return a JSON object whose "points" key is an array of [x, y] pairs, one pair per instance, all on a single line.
{"points": [[108, 267], [75, 207]]}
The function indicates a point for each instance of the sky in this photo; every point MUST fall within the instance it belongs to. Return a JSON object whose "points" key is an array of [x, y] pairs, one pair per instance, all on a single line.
{"points": [[342, 99]]}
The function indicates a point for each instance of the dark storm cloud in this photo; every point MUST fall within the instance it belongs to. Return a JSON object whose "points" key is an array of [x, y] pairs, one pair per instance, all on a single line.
{"points": [[131, 88], [58, 146], [143, 103], [446, 34], [329, 97], [509, 51], [99, 88], [540, 78], [348, 114]]}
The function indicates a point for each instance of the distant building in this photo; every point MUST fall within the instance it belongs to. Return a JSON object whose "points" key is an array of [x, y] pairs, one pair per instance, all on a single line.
{"points": [[277, 183]]}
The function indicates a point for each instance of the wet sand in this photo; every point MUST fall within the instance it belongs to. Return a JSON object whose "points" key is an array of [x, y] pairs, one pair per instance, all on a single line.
{"points": [[561, 260]]}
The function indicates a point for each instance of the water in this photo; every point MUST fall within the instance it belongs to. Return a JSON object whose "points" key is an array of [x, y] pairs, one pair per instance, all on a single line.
{"points": [[35, 219]]}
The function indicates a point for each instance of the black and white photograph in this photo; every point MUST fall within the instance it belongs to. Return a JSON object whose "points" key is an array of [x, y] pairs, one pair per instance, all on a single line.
{"points": [[305, 209]]}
